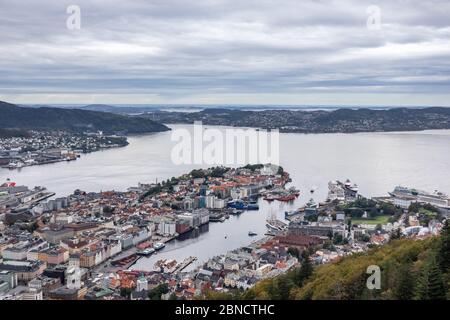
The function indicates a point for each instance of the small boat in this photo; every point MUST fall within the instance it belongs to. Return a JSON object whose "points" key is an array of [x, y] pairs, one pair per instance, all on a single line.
{"points": [[145, 252], [294, 191], [236, 211], [291, 213], [241, 205], [251, 233], [252, 206], [159, 245]]}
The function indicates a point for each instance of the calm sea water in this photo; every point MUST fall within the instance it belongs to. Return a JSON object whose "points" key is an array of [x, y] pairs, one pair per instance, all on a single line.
{"points": [[377, 162]]}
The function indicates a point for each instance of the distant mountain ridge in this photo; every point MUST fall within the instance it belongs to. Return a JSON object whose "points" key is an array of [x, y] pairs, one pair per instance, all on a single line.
{"points": [[77, 120], [317, 121]]}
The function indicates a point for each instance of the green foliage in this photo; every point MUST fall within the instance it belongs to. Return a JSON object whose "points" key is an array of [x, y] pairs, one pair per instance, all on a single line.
{"points": [[374, 209], [407, 272], [294, 252], [253, 167], [155, 293], [444, 248], [416, 207], [197, 173], [74, 120], [305, 270], [152, 191], [405, 283], [173, 296], [125, 292], [338, 239], [216, 295], [218, 172], [280, 170], [431, 284]]}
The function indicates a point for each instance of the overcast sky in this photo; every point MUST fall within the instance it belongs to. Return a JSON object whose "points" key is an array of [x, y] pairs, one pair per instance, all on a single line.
{"points": [[226, 52]]}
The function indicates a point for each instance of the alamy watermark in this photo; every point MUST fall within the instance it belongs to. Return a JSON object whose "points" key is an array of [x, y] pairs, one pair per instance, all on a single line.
{"points": [[230, 146], [73, 21], [374, 280], [374, 19]]}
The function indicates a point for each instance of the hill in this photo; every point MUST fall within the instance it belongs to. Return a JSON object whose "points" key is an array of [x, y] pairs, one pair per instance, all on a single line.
{"points": [[410, 270], [76, 120], [318, 121]]}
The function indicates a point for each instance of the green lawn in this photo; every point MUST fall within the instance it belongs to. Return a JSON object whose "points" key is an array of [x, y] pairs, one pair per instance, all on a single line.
{"points": [[427, 212], [378, 220]]}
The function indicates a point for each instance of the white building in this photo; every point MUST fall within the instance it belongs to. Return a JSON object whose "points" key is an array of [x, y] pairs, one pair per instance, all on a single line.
{"points": [[219, 203], [403, 202], [167, 227], [141, 284], [73, 276]]}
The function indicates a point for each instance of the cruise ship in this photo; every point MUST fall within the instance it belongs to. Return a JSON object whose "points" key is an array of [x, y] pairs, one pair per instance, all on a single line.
{"points": [[404, 196]]}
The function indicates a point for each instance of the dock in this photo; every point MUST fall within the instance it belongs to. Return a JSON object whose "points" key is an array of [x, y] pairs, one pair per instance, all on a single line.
{"points": [[183, 265]]}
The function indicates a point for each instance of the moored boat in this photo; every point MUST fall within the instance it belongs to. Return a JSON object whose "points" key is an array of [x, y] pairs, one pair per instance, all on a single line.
{"points": [[146, 252], [159, 246]]}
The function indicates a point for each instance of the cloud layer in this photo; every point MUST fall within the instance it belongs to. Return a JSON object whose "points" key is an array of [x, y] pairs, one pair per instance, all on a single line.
{"points": [[217, 51]]}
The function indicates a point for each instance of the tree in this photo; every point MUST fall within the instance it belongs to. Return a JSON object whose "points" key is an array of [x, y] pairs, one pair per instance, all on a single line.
{"points": [[444, 248], [155, 293], [197, 173], [283, 287], [173, 296], [431, 285], [305, 270], [337, 239], [125, 292], [404, 287], [396, 234], [280, 170], [294, 252]]}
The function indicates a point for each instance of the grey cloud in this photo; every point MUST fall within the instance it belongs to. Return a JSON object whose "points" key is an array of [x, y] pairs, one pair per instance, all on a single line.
{"points": [[192, 49]]}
